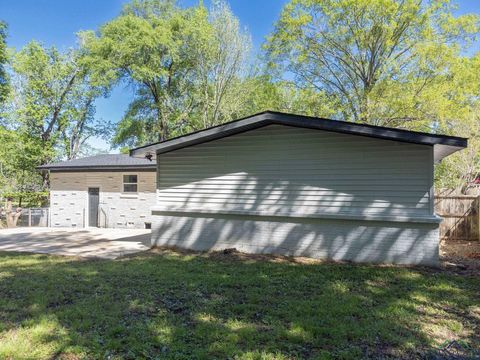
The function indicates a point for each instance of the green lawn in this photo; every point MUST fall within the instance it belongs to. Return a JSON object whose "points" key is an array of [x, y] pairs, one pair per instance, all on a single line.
{"points": [[184, 306]]}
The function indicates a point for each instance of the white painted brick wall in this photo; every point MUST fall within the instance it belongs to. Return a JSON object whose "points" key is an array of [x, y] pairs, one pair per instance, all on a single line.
{"points": [[360, 241], [69, 192]]}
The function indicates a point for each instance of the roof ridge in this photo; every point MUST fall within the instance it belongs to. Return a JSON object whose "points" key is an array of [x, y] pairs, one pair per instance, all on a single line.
{"points": [[448, 143], [300, 117]]}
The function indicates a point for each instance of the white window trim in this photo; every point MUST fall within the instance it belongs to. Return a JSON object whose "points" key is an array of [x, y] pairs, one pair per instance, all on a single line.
{"points": [[133, 194]]}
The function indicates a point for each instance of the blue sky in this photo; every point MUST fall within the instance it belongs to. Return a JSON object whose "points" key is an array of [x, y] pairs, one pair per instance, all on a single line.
{"points": [[55, 22]]}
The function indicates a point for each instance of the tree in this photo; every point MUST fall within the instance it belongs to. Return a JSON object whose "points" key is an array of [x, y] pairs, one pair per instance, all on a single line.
{"points": [[11, 215], [456, 106], [400, 63], [18, 159], [366, 53], [182, 63], [8, 141], [138, 125], [222, 62], [80, 124], [151, 46], [261, 93], [52, 103], [4, 86]]}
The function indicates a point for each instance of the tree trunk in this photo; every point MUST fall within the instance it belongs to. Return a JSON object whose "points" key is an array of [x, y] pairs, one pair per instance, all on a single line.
{"points": [[162, 124], [45, 179], [11, 215]]}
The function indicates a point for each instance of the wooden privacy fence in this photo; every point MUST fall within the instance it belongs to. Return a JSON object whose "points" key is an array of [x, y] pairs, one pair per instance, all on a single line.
{"points": [[461, 217]]}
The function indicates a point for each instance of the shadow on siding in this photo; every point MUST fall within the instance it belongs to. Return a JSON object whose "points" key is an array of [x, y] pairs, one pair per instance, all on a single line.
{"points": [[286, 181]]}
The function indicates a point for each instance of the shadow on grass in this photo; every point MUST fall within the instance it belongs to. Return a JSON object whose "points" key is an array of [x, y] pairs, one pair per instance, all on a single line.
{"points": [[181, 305]]}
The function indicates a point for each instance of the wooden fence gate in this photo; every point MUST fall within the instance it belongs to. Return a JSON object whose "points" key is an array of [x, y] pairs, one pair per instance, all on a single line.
{"points": [[461, 217]]}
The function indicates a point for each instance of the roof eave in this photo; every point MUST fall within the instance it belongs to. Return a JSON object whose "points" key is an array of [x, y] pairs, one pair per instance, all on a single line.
{"points": [[445, 144], [441, 151], [97, 168], [213, 133]]}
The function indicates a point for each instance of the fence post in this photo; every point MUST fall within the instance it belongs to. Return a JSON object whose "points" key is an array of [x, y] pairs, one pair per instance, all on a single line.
{"points": [[478, 217], [29, 217]]}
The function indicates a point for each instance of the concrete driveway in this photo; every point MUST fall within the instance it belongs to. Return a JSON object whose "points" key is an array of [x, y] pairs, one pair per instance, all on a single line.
{"points": [[90, 243]]}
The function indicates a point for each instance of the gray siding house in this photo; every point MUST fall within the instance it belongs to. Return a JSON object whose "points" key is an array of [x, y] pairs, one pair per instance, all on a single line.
{"points": [[113, 190], [295, 185]]}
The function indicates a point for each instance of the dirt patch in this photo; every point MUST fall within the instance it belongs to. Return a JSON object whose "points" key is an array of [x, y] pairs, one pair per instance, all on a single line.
{"points": [[233, 254], [68, 356], [453, 259], [461, 256]]}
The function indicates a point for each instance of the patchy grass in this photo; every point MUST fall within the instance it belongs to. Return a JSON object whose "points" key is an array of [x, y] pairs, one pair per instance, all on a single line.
{"points": [[183, 306]]}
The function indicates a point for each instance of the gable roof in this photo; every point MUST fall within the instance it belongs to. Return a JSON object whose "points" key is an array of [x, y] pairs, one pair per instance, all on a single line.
{"points": [[443, 145], [101, 162]]}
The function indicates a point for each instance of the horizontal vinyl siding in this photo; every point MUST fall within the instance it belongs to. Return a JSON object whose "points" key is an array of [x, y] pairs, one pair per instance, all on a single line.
{"points": [[298, 171]]}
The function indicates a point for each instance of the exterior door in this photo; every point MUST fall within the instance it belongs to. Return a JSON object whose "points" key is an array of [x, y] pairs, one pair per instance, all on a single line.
{"points": [[93, 202]]}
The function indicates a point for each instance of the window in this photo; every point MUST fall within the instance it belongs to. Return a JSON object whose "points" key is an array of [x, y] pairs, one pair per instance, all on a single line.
{"points": [[130, 183]]}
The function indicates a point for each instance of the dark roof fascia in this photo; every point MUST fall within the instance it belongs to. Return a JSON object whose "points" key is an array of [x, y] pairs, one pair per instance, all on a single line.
{"points": [[253, 119], [98, 169], [370, 130], [269, 118]]}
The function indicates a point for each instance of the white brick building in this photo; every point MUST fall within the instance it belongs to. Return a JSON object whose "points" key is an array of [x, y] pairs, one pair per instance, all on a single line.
{"points": [[115, 191]]}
